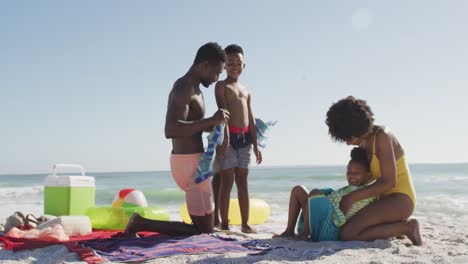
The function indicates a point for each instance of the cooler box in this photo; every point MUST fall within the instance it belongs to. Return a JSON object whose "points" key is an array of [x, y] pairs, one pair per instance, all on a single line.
{"points": [[68, 195]]}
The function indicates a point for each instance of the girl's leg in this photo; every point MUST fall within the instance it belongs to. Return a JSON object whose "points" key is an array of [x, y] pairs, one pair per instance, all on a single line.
{"points": [[305, 209], [385, 218], [297, 198]]}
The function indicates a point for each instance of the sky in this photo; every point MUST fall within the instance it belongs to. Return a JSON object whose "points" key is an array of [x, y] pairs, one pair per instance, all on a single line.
{"points": [[87, 82]]}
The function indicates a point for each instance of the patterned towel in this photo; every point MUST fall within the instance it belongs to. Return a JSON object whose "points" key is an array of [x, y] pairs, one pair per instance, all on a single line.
{"points": [[335, 198], [205, 164], [262, 130], [216, 137], [325, 216], [322, 227]]}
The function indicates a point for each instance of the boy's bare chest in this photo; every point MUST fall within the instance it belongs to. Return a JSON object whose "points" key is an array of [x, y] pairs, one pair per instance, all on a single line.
{"points": [[236, 92]]}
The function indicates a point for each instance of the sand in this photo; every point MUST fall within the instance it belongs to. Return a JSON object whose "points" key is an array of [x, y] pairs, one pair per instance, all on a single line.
{"points": [[445, 241]]}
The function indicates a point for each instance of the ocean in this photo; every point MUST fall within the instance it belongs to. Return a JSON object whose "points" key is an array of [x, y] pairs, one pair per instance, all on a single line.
{"points": [[441, 189]]}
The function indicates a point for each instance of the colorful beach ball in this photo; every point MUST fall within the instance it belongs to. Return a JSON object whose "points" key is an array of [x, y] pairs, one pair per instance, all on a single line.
{"points": [[130, 198]]}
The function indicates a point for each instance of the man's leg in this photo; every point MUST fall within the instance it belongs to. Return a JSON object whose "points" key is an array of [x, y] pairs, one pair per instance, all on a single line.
{"points": [[204, 224], [200, 205], [172, 228], [215, 183]]}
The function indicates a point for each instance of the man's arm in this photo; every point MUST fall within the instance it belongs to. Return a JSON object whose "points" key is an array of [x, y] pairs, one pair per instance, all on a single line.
{"points": [[176, 116]]}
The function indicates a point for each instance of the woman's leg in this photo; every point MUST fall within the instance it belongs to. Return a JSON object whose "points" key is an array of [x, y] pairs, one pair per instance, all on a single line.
{"points": [[297, 199], [385, 218]]}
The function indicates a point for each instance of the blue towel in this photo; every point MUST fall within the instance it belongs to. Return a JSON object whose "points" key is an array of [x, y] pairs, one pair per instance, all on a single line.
{"points": [[205, 164], [262, 129], [216, 137], [322, 227]]}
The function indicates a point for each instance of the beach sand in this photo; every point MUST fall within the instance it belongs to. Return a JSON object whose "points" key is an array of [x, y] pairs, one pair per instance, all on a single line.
{"points": [[445, 241]]}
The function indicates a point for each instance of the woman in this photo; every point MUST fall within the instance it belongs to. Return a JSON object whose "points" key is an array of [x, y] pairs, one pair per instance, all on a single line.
{"points": [[351, 120]]}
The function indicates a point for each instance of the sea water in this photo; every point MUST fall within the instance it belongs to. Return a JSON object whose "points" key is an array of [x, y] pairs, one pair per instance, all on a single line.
{"points": [[441, 189]]}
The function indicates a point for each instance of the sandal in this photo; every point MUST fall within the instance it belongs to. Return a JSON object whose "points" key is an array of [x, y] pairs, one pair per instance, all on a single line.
{"points": [[30, 218], [15, 220]]}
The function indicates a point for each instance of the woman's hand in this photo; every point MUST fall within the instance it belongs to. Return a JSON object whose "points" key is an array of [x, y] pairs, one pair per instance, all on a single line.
{"points": [[346, 203]]}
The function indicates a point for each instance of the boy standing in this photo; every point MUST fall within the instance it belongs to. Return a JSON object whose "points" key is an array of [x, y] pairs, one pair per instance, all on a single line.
{"points": [[240, 136]]}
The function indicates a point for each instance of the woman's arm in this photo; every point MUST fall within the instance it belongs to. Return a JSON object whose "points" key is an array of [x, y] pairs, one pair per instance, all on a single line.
{"points": [[385, 152]]}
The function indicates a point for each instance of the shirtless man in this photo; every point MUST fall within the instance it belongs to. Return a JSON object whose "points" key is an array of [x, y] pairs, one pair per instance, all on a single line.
{"points": [[185, 124]]}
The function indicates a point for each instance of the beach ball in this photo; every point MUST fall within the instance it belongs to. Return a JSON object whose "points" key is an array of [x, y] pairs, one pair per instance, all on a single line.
{"points": [[129, 198]]}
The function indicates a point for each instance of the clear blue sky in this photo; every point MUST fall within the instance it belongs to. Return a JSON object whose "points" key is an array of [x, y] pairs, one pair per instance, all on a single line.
{"points": [[87, 81]]}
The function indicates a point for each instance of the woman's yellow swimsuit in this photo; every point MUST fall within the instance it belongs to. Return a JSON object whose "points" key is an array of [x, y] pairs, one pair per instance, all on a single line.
{"points": [[404, 183]]}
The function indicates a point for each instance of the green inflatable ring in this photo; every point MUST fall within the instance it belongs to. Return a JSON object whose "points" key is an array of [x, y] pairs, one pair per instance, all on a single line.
{"points": [[112, 218]]}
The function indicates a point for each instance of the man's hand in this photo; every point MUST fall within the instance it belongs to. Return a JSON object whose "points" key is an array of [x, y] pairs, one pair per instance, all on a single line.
{"points": [[258, 155], [221, 116], [346, 203]]}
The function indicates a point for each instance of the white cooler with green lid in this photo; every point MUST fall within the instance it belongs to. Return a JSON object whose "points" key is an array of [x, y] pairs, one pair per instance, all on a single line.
{"points": [[68, 194]]}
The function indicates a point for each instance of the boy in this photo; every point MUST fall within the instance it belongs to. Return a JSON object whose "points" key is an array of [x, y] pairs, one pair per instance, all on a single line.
{"points": [[239, 138]]}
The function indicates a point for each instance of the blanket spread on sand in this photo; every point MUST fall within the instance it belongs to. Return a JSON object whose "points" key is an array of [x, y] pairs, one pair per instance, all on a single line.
{"points": [[141, 249]]}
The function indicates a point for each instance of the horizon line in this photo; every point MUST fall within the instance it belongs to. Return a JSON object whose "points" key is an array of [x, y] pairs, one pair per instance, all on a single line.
{"points": [[252, 168]]}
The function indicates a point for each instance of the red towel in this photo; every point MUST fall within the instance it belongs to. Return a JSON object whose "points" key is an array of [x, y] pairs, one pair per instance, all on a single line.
{"points": [[17, 244]]}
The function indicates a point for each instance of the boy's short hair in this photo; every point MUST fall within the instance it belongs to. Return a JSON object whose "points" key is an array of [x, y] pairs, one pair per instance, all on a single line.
{"points": [[211, 52], [233, 48]]}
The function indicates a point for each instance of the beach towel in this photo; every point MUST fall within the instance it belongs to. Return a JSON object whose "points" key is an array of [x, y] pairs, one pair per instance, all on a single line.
{"points": [[321, 210], [335, 198], [141, 249], [216, 137], [325, 216], [17, 244], [205, 164], [262, 131]]}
